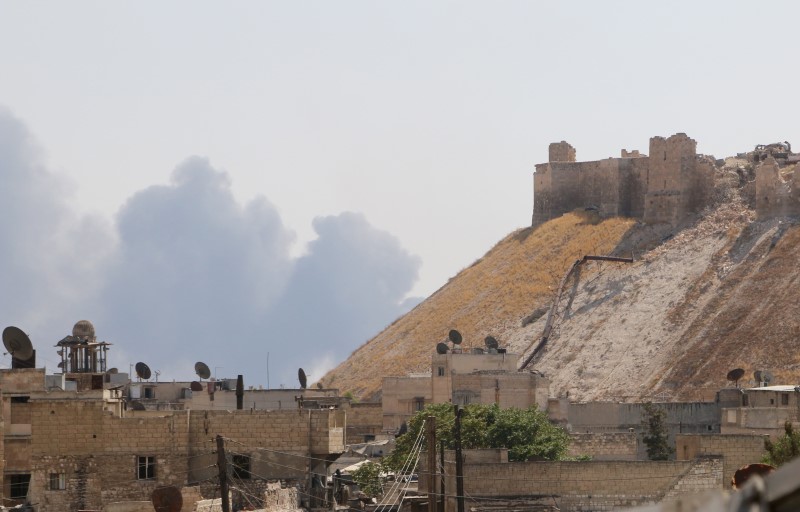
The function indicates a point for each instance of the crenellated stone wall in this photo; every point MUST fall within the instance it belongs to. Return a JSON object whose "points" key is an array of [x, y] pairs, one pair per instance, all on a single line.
{"points": [[661, 188]]}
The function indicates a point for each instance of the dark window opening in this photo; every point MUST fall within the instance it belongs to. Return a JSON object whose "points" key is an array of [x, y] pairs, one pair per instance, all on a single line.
{"points": [[419, 404], [149, 392], [785, 399], [145, 468], [19, 486], [441, 371], [369, 438], [58, 481], [771, 401], [745, 400], [19, 399], [241, 466]]}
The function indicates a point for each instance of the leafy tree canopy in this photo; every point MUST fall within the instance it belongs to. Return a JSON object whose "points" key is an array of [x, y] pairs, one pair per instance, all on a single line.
{"points": [[527, 433], [368, 478], [655, 434], [784, 449]]}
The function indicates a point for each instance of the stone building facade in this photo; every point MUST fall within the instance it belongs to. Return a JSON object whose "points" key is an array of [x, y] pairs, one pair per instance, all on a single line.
{"points": [[463, 378], [672, 182], [76, 450]]}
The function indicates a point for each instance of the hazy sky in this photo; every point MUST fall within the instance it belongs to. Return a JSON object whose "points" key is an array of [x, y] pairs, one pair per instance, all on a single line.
{"points": [[304, 170]]}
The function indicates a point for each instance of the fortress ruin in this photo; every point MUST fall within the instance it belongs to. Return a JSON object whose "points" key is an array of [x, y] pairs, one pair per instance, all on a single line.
{"points": [[666, 186], [672, 182]]}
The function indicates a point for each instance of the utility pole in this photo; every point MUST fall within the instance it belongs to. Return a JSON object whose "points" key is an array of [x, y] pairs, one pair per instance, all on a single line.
{"points": [[223, 474], [459, 463], [441, 461], [430, 437]]}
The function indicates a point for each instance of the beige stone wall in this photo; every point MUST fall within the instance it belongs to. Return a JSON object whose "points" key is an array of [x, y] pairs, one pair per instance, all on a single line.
{"points": [[363, 419], [776, 195], [98, 451], [664, 187], [736, 450], [604, 446], [594, 485], [615, 187], [400, 398], [561, 152]]}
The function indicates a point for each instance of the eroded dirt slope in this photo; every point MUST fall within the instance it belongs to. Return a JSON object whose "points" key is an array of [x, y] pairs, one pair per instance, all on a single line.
{"points": [[718, 294]]}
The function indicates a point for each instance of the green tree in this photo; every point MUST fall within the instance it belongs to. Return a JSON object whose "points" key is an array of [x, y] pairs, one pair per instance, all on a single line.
{"points": [[655, 433], [786, 448], [527, 433], [369, 480]]}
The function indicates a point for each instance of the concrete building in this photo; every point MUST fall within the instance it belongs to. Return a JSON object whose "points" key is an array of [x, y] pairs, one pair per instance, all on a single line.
{"points": [[760, 410], [481, 377], [86, 438]]}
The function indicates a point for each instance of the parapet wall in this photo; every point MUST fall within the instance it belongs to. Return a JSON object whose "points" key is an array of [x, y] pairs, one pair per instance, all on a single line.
{"points": [[593, 485], [736, 450], [661, 188]]}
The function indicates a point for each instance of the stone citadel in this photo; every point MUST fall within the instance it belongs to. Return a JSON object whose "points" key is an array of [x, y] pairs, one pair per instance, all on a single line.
{"points": [[674, 181]]}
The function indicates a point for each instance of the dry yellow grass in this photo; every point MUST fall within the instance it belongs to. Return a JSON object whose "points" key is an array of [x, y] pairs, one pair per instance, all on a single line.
{"points": [[515, 277]]}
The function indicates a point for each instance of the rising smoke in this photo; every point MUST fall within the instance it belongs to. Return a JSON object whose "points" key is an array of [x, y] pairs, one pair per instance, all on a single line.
{"points": [[184, 272]]}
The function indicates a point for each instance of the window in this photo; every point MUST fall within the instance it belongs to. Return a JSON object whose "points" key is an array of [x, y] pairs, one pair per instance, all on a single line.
{"points": [[745, 401], [419, 404], [58, 481], [19, 486], [149, 393], [241, 466], [784, 398], [145, 468], [441, 371]]}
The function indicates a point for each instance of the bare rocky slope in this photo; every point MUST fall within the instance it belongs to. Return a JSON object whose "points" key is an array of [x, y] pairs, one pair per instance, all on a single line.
{"points": [[718, 293]]}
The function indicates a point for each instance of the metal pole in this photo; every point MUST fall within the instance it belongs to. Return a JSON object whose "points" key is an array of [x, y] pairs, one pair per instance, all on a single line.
{"points": [[459, 463], [223, 474], [430, 437], [239, 393], [441, 461]]}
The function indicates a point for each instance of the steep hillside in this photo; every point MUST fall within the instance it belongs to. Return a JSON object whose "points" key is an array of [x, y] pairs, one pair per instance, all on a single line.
{"points": [[512, 280], [718, 294]]}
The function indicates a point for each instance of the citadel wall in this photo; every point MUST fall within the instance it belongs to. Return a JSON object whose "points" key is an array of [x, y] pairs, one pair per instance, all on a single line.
{"points": [[777, 190], [664, 187]]}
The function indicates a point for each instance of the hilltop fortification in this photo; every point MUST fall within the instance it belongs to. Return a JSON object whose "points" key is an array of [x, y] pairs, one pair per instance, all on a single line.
{"points": [[672, 182]]}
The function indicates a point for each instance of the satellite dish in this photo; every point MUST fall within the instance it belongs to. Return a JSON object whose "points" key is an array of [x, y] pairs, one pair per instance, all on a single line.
{"points": [[113, 371], [17, 343], [735, 374], [319, 385], [455, 337], [202, 370], [441, 348], [490, 342], [301, 375], [167, 499], [142, 371], [196, 386], [137, 406]]}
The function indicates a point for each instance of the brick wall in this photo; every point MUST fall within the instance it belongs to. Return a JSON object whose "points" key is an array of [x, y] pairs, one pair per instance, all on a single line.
{"points": [[604, 446], [595, 485], [365, 419], [736, 450], [98, 452]]}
